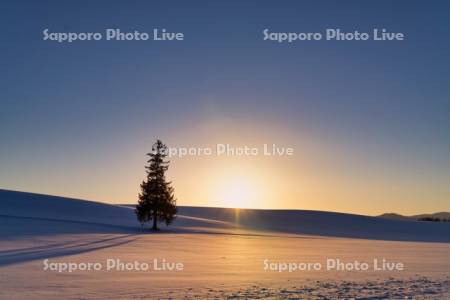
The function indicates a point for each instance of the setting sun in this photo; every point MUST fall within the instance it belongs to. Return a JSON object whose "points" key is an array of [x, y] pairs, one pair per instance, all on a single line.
{"points": [[237, 192]]}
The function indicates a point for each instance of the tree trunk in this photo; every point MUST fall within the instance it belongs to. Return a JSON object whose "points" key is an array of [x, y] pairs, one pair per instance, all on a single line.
{"points": [[155, 226]]}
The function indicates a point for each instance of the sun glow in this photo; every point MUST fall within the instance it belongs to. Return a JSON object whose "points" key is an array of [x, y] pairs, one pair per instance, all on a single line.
{"points": [[238, 192]]}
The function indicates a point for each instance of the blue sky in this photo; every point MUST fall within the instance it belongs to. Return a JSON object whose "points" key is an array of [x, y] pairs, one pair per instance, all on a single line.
{"points": [[87, 106]]}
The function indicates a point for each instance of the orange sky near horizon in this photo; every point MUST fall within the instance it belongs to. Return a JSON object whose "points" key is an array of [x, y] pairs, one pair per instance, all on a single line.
{"points": [[322, 174]]}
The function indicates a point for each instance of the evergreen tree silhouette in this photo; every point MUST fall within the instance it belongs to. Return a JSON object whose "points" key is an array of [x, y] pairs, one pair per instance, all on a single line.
{"points": [[156, 200]]}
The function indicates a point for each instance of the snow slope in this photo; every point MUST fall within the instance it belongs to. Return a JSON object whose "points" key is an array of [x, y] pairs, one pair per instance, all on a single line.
{"points": [[327, 224], [18, 209], [220, 249], [66, 215]]}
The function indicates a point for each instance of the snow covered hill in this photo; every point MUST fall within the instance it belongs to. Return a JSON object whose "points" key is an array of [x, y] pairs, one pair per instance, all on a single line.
{"points": [[35, 214]]}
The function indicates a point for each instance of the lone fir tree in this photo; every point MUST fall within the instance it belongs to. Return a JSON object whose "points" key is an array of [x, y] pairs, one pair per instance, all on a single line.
{"points": [[156, 200]]}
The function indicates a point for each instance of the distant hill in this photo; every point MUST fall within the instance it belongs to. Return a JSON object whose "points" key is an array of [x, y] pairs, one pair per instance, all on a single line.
{"points": [[394, 216], [440, 215]]}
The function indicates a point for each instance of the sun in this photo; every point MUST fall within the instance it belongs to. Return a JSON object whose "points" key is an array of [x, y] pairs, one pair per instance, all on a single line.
{"points": [[237, 192]]}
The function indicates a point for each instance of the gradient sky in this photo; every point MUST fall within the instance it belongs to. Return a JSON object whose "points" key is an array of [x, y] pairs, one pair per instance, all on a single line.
{"points": [[369, 121]]}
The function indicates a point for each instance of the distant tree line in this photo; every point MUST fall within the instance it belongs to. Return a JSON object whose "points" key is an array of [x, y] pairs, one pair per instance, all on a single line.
{"points": [[431, 219]]}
